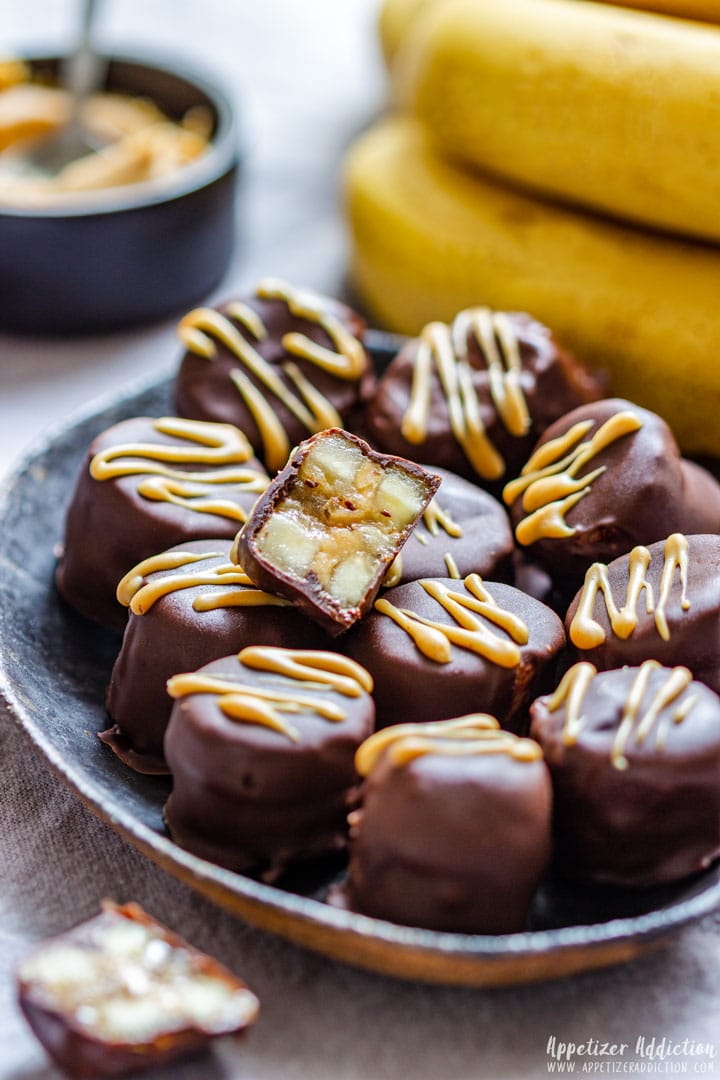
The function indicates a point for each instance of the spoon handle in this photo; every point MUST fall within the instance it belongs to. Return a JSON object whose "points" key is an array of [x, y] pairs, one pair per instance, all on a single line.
{"points": [[84, 70]]}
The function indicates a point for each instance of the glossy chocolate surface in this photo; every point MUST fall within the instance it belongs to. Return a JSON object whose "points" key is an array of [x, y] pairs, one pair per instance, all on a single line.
{"points": [[250, 798], [175, 636], [693, 632], [111, 525], [204, 389], [650, 816], [411, 687], [54, 667], [552, 381], [455, 843], [485, 543], [638, 491]]}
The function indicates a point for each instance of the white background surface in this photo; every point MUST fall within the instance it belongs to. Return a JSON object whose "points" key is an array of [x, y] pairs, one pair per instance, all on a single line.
{"points": [[307, 77]]}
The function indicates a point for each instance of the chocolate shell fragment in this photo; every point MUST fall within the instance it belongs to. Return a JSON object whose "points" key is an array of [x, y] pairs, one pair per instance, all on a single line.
{"points": [[261, 748], [454, 829], [634, 755], [122, 993], [327, 528]]}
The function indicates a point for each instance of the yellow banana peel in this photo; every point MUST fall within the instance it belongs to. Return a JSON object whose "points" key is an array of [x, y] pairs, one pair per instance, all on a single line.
{"points": [[613, 109], [398, 16], [395, 19], [702, 10], [430, 238]]}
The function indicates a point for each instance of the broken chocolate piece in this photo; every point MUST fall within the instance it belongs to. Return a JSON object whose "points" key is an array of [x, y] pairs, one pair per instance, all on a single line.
{"points": [[327, 528], [121, 993]]}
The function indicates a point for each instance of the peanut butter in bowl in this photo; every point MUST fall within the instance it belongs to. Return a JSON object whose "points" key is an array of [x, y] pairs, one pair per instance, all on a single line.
{"points": [[136, 141]]}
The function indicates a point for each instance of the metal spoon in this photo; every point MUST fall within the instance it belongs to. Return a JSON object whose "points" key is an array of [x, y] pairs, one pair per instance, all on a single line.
{"points": [[82, 73]]}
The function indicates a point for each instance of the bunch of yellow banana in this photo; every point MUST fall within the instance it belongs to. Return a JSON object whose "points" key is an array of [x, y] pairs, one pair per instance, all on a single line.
{"points": [[398, 16], [561, 157]]}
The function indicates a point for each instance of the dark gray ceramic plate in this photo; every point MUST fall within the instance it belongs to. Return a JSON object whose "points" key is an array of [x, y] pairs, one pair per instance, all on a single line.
{"points": [[53, 672]]}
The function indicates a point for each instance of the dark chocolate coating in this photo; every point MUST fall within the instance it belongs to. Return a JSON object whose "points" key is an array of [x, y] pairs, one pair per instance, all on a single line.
{"points": [[111, 527], [486, 544], [694, 634], [552, 381], [455, 843], [532, 579], [654, 822], [171, 638], [411, 688], [645, 493], [80, 1052], [204, 390], [249, 798], [307, 593]]}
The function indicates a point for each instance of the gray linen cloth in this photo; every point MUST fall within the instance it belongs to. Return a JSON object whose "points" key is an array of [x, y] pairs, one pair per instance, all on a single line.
{"points": [[320, 1020]]}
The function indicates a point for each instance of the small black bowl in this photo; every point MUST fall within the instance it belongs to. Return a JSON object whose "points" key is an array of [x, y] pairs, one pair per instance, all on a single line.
{"points": [[129, 254]]}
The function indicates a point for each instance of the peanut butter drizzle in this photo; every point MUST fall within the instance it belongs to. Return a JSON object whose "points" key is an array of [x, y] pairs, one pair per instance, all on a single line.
{"points": [[311, 665], [587, 633], [322, 671], [434, 518], [435, 639], [475, 734], [452, 566], [213, 444], [635, 724], [139, 596], [347, 362], [445, 348], [549, 483], [394, 573], [571, 692], [201, 328], [500, 347]]}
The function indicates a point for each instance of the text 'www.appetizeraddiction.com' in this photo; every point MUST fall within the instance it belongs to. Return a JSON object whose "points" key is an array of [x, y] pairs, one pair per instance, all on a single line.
{"points": [[647, 1056]]}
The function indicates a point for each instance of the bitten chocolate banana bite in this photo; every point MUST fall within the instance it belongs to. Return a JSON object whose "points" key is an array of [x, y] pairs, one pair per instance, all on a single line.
{"points": [[327, 528], [454, 829], [121, 993]]}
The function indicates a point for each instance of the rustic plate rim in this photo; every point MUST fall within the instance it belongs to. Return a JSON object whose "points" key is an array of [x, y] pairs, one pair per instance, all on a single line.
{"points": [[640, 929]]}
